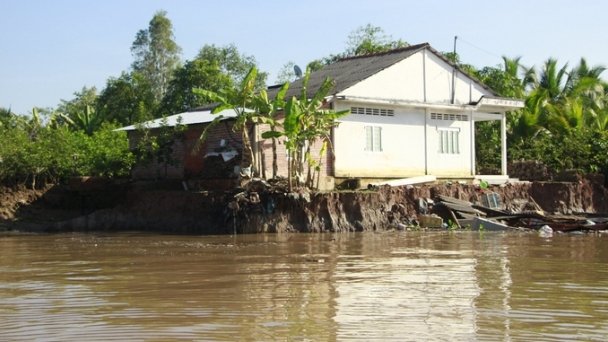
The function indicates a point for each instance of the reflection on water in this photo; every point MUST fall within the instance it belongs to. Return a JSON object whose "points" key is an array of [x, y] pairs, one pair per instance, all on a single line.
{"points": [[364, 286]]}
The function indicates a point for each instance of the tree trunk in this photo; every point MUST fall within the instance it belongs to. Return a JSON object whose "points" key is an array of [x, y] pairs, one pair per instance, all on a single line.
{"points": [[309, 175], [247, 158], [289, 176], [275, 165]]}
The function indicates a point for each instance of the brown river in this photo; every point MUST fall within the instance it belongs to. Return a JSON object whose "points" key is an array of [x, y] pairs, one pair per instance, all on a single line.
{"points": [[399, 286]]}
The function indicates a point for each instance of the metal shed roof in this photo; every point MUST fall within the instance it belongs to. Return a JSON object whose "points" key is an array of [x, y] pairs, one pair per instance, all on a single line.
{"points": [[188, 118]]}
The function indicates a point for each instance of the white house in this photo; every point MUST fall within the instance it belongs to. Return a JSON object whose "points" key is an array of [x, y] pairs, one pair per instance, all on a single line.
{"points": [[413, 113]]}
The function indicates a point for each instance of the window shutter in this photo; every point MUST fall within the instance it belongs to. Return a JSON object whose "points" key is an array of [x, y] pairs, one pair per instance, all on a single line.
{"points": [[377, 138], [369, 139]]}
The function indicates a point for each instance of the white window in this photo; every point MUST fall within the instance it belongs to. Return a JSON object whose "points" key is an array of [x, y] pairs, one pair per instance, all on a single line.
{"points": [[449, 141], [373, 138]]}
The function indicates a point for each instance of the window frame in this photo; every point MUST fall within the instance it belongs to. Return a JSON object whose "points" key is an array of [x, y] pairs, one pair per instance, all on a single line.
{"points": [[448, 141], [373, 138]]}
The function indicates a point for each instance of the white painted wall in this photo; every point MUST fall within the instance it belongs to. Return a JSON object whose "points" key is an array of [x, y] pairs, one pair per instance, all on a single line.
{"points": [[422, 77], [402, 152], [403, 80], [443, 164]]}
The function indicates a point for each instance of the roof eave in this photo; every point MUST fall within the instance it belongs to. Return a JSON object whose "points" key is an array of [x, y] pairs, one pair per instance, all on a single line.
{"points": [[490, 104]]}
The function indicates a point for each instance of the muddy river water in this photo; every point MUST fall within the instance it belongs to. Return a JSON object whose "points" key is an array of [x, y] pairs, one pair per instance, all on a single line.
{"points": [[401, 286]]}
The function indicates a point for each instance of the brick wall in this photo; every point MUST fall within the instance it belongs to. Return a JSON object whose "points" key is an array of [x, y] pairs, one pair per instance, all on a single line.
{"points": [[190, 165], [265, 148], [193, 165], [154, 170]]}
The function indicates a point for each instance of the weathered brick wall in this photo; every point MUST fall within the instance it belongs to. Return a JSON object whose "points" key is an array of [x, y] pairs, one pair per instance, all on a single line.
{"points": [[194, 165], [265, 147], [190, 165], [154, 170], [196, 162]]}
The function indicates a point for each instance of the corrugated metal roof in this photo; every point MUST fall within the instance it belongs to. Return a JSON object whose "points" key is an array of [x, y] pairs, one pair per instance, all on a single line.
{"points": [[188, 118]]}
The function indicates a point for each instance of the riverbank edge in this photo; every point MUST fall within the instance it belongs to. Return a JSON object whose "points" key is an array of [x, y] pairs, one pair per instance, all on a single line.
{"points": [[384, 208]]}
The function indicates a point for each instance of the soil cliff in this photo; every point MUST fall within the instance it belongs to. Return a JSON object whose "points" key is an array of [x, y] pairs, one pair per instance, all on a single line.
{"points": [[187, 212]]}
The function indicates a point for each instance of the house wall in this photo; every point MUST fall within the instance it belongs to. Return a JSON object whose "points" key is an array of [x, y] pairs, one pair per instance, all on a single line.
{"points": [[422, 77], [402, 154], [197, 166], [154, 170], [264, 158], [449, 164], [190, 165], [414, 88]]}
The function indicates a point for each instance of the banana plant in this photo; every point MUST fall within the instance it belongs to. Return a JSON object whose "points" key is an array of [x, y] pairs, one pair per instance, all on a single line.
{"points": [[267, 110], [240, 101], [89, 120], [305, 122]]}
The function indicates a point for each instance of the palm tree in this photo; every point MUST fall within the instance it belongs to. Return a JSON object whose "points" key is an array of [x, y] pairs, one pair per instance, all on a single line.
{"points": [[568, 100], [585, 83]]}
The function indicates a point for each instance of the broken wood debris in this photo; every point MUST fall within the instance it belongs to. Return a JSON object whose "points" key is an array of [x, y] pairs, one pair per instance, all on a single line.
{"points": [[464, 213]]}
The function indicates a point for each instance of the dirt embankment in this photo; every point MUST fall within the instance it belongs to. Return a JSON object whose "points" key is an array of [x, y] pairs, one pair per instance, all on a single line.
{"points": [[30, 210], [184, 212]]}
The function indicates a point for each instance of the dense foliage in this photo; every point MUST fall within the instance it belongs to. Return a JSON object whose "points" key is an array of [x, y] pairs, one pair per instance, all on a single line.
{"points": [[34, 154], [564, 120]]}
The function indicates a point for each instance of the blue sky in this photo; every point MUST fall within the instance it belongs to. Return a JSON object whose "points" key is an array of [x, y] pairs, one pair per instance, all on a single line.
{"points": [[50, 49]]}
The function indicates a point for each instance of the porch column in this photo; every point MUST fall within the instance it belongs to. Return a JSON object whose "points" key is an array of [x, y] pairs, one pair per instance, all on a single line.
{"points": [[473, 153], [503, 144]]}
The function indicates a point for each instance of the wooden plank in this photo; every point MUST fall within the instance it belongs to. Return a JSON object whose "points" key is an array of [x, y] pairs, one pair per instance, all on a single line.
{"points": [[461, 208], [537, 206], [454, 218], [454, 200]]}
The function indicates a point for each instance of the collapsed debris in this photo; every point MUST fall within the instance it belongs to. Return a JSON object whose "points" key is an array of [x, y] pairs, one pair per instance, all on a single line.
{"points": [[489, 215]]}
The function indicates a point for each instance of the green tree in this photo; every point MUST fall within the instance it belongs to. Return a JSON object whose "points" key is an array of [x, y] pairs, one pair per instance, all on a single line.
{"points": [[231, 62], [286, 74], [74, 107], [157, 146], [106, 153], [156, 54], [6, 117], [88, 121], [128, 98], [194, 74], [585, 83], [566, 100], [363, 40], [370, 39]]}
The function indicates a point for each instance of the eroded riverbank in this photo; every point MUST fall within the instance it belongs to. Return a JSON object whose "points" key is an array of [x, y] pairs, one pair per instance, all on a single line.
{"points": [[384, 208], [205, 212]]}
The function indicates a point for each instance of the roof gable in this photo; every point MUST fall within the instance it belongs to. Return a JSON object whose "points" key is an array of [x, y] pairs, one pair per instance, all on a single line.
{"points": [[349, 71]]}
